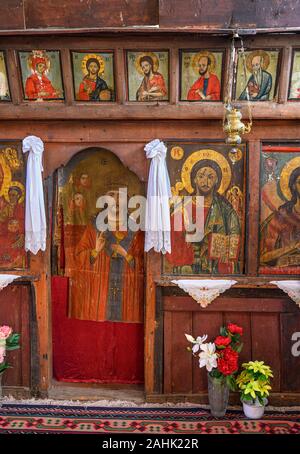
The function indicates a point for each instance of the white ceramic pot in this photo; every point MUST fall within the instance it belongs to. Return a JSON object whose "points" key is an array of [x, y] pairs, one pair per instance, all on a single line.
{"points": [[254, 410]]}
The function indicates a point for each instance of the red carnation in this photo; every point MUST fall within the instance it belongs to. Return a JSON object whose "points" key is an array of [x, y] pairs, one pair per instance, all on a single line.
{"points": [[222, 341], [234, 329], [228, 361]]}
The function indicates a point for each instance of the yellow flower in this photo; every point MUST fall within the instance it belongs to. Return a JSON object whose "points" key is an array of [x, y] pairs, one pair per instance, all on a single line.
{"points": [[258, 366], [254, 380]]}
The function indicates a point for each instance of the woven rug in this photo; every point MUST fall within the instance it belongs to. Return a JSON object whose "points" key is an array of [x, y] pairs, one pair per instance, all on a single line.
{"points": [[110, 420]]}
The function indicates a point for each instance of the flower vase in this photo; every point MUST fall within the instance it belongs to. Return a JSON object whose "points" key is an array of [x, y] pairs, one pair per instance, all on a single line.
{"points": [[218, 394]]}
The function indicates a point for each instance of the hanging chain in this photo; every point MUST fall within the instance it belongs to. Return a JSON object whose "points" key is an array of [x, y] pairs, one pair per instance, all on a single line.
{"points": [[245, 77], [228, 98], [231, 77]]}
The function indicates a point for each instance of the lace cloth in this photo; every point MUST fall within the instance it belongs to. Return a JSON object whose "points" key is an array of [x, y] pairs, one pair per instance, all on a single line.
{"points": [[204, 291], [292, 288], [35, 218], [157, 222], [6, 279]]}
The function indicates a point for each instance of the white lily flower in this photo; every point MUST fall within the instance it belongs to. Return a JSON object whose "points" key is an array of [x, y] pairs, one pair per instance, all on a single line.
{"points": [[190, 338], [208, 356], [198, 342]]}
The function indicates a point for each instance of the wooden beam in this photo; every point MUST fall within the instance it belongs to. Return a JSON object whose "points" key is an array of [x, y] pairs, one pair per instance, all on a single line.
{"points": [[223, 303], [252, 217], [71, 110]]}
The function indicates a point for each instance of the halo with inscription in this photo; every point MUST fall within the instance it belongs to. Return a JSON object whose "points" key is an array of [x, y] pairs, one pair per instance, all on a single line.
{"points": [[200, 155], [199, 55], [148, 54], [261, 53], [96, 57]]}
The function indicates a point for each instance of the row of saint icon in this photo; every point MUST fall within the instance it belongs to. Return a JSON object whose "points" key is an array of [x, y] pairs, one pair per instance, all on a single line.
{"points": [[147, 73]]}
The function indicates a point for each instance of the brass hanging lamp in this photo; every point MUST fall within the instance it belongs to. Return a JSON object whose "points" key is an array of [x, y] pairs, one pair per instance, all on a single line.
{"points": [[233, 127]]}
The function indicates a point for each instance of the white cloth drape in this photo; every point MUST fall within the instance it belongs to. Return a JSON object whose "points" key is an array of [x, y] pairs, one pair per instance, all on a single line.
{"points": [[292, 288], [35, 218], [6, 279], [157, 222]]}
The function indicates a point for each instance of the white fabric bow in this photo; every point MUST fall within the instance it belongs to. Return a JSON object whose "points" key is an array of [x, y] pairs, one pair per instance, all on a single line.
{"points": [[157, 220], [35, 218]]}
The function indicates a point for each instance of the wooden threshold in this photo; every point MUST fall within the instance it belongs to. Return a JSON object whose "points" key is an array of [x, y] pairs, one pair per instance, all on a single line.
{"points": [[96, 391]]}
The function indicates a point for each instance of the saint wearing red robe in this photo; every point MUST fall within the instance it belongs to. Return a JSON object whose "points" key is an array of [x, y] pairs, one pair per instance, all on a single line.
{"points": [[38, 86], [153, 85], [108, 282], [205, 88], [93, 87]]}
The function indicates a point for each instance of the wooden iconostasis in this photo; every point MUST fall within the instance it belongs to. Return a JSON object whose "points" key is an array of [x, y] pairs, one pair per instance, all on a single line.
{"points": [[253, 236]]}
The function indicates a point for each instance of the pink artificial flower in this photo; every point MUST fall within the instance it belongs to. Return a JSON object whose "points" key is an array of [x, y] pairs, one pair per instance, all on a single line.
{"points": [[5, 331], [2, 354]]}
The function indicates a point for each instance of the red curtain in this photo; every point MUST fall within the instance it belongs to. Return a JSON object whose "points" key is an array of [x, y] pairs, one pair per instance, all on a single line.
{"points": [[95, 352]]}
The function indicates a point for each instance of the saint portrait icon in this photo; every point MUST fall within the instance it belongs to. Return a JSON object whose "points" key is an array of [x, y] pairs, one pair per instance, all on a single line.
{"points": [[280, 213], [201, 75], [294, 87], [261, 75], [148, 76], [4, 86], [93, 75], [41, 75], [207, 172]]}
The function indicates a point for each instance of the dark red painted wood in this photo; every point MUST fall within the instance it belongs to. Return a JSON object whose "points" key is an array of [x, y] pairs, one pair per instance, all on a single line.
{"points": [[181, 361], [89, 13], [204, 323], [224, 14], [14, 312], [265, 332], [11, 15], [268, 326], [290, 352]]}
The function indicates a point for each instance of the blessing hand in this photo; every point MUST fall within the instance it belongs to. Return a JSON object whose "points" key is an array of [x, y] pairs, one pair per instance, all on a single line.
{"points": [[100, 241]]}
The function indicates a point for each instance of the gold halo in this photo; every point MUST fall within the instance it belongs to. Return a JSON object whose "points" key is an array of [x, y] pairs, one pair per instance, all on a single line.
{"points": [[199, 55], [260, 53], [285, 176], [148, 54], [199, 156], [41, 54], [6, 177], [100, 60]]}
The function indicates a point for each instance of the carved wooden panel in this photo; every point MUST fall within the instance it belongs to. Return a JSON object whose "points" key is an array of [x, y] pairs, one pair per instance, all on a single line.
{"points": [[15, 312], [268, 323]]}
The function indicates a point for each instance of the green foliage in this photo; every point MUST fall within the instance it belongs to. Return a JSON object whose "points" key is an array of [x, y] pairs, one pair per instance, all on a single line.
{"points": [[12, 342], [223, 331], [215, 373], [238, 348], [4, 366], [254, 381], [230, 380]]}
